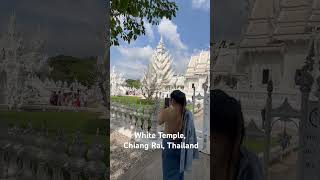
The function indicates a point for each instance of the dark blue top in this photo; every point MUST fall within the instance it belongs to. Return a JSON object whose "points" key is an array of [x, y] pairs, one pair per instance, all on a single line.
{"points": [[250, 167]]}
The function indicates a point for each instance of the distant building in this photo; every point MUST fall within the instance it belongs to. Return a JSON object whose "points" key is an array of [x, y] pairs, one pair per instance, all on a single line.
{"points": [[197, 73], [273, 46]]}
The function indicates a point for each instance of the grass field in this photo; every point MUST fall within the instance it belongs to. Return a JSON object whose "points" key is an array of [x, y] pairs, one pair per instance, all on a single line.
{"points": [[257, 145], [69, 122], [133, 100]]}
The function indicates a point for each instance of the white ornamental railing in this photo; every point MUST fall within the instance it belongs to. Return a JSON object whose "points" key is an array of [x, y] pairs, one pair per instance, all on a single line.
{"points": [[134, 117], [27, 154], [256, 100]]}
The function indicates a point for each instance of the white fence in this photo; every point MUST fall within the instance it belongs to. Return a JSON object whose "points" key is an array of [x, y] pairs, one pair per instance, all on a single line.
{"points": [[27, 154]]}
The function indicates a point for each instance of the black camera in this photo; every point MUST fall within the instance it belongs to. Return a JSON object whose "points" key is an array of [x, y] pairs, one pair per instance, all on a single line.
{"points": [[166, 102]]}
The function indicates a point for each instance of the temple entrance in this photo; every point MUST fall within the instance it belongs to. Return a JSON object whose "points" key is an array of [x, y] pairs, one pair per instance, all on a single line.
{"points": [[305, 146], [201, 113]]}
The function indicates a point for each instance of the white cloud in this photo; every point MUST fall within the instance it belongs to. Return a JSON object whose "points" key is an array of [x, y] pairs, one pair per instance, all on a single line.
{"points": [[134, 67], [136, 53], [121, 19], [180, 61], [131, 69], [169, 30], [133, 61], [149, 31], [201, 4]]}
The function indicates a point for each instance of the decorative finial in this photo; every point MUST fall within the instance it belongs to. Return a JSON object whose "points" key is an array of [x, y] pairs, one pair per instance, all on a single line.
{"points": [[205, 84], [161, 40], [161, 44], [270, 86]]}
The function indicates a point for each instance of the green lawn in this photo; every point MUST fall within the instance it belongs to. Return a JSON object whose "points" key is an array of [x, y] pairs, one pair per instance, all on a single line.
{"points": [[189, 107], [257, 145], [132, 100], [69, 122]]}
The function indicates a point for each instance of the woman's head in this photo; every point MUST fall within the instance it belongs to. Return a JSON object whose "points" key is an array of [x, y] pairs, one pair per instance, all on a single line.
{"points": [[226, 116], [177, 97]]}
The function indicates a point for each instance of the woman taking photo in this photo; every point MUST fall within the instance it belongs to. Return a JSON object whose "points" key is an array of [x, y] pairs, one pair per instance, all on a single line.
{"points": [[177, 119]]}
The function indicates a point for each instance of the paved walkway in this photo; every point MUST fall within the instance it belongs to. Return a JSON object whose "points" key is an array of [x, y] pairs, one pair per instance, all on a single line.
{"points": [[145, 165], [284, 170], [121, 159], [151, 169]]}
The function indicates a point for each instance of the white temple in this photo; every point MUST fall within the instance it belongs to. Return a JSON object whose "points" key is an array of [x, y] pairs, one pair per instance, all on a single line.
{"points": [[117, 83], [197, 73], [274, 45], [161, 77], [159, 74], [19, 62]]}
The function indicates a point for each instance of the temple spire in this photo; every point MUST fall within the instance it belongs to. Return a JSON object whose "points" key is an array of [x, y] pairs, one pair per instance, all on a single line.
{"points": [[161, 44], [161, 40], [12, 24]]}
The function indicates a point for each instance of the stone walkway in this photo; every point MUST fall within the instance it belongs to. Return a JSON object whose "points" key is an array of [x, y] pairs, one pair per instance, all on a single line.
{"points": [[131, 164], [284, 170], [134, 164], [121, 159], [151, 169]]}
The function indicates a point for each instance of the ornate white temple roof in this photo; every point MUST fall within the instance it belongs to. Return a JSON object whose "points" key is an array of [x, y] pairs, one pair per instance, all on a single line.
{"points": [[199, 64], [226, 60], [177, 80], [259, 26], [270, 22], [314, 18], [292, 19], [160, 67]]}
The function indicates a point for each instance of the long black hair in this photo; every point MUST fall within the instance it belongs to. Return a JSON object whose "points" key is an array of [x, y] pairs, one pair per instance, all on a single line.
{"points": [[179, 97], [226, 116], [227, 119]]}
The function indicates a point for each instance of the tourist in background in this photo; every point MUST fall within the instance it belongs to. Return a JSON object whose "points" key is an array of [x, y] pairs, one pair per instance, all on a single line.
{"points": [[231, 160], [78, 100], [177, 119], [55, 98], [64, 101], [51, 99], [60, 98]]}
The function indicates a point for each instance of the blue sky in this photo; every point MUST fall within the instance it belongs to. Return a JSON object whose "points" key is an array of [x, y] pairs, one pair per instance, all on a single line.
{"points": [[184, 35]]}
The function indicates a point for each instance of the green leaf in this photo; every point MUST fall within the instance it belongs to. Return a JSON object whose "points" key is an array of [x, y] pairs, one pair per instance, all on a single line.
{"points": [[124, 4]]}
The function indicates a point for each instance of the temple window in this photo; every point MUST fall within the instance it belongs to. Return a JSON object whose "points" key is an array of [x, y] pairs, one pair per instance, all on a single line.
{"points": [[265, 76]]}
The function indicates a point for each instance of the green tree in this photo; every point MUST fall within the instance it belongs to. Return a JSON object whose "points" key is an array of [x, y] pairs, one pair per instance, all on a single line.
{"points": [[68, 68], [134, 13], [133, 83]]}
